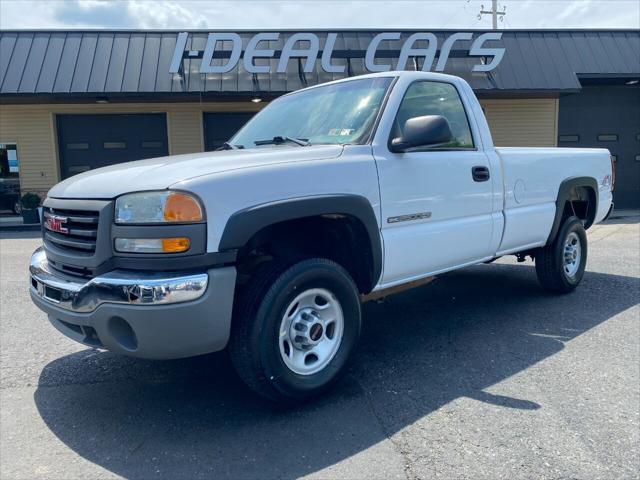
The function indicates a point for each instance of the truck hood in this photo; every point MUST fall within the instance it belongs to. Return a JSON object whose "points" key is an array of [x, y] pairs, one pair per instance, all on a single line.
{"points": [[162, 172]]}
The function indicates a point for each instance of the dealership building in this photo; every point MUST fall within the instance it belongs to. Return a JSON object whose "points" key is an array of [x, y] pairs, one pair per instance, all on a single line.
{"points": [[71, 101]]}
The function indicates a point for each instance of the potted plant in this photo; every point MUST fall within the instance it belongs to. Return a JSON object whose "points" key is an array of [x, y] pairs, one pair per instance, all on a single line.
{"points": [[30, 203]]}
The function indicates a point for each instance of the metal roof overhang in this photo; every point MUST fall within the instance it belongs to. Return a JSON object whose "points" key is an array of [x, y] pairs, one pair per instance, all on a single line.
{"points": [[125, 66]]}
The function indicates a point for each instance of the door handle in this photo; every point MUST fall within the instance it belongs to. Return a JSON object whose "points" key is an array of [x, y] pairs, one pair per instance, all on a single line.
{"points": [[480, 174]]}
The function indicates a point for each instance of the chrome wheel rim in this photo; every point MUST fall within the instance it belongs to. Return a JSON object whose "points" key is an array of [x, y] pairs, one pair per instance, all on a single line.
{"points": [[572, 254], [311, 331]]}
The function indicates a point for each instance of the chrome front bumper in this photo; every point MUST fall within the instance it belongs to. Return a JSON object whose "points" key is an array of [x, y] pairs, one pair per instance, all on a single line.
{"points": [[116, 287]]}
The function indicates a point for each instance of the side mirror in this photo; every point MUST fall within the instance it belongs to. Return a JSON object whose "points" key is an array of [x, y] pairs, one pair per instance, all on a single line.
{"points": [[422, 132]]}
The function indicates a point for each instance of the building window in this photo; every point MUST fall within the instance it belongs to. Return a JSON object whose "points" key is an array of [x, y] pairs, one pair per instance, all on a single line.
{"points": [[77, 146], [608, 137], [73, 169], [9, 181], [9, 166], [152, 144], [569, 138], [114, 145]]}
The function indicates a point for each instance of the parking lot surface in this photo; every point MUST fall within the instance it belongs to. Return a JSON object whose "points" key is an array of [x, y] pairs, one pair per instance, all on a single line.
{"points": [[479, 374]]}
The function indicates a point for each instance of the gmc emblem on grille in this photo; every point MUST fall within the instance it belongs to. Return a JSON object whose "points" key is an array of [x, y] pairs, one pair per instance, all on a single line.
{"points": [[56, 223]]}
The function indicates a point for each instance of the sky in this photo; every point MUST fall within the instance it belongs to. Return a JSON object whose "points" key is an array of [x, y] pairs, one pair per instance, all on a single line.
{"points": [[302, 14]]}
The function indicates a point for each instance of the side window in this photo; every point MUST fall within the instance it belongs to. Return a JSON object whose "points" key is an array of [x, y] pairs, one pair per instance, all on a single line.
{"points": [[436, 98], [9, 166]]}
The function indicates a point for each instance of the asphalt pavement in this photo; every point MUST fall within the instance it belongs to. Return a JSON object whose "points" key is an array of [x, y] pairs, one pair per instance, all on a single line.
{"points": [[479, 374]]}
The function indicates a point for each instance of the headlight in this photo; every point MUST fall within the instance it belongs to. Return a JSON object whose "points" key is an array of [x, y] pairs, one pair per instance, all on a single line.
{"points": [[158, 207]]}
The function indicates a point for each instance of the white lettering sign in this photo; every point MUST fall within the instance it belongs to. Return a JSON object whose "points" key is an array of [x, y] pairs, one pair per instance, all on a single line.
{"points": [[306, 46]]}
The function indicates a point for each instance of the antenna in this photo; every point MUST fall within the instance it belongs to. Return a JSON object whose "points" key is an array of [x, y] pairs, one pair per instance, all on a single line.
{"points": [[494, 12]]}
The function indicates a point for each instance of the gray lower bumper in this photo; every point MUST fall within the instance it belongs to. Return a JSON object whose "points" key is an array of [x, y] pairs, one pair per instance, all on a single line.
{"points": [[149, 316]]}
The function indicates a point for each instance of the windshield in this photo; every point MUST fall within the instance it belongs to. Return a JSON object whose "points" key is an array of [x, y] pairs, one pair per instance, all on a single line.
{"points": [[336, 114]]}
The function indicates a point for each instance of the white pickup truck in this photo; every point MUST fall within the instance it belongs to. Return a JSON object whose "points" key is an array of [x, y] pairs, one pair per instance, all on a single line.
{"points": [[329, 195]]}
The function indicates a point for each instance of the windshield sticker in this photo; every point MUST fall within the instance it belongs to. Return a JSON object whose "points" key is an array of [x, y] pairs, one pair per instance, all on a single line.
{"points": [[341, 132]]}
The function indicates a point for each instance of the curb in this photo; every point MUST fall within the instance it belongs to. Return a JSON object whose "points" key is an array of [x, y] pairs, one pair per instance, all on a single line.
{"points": [[33, 227]]}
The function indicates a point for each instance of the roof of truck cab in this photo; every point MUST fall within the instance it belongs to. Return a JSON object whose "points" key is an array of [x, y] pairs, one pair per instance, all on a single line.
{"points": [[443, 77]]}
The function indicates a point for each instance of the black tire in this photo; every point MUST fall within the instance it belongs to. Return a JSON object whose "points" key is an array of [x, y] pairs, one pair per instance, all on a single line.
{"points": [[550, 266], [254, 343]]}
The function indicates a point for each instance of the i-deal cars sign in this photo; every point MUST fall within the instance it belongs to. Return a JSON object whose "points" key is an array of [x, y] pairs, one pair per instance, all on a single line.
{"points": [[306, 45]]}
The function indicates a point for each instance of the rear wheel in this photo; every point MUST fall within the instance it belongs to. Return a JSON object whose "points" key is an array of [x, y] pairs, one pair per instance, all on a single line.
{"points": [[560, 266], [295, 329]]}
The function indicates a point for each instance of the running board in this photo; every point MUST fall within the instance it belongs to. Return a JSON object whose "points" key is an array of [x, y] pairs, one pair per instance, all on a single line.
{"points": [[385, 292]]}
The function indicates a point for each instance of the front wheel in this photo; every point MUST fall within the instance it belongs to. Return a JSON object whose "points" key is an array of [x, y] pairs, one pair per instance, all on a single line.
{"points": [[560, 266], [295, 329]]}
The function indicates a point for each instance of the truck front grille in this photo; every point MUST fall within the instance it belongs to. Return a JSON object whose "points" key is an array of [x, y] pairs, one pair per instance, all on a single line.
{"points": [[71, 230]]}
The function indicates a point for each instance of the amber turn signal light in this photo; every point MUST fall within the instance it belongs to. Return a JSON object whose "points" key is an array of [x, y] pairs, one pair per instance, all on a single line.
{"points": [[181, 207], [175, 245], [152, 245]]}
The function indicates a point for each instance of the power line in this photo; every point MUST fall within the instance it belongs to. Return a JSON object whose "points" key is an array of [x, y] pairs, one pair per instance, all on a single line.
{"points": [[455, 13], [507, 23], [474, 24]]}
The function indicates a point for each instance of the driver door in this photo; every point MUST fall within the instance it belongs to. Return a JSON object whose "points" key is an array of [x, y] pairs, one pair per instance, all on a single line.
{"points": [[436, 210]]}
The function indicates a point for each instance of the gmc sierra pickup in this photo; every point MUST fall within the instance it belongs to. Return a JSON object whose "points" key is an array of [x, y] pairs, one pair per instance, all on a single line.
{"points": [[328, 195]]}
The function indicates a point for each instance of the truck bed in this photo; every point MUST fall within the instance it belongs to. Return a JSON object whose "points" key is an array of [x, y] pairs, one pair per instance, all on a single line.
{"points": [[532, 178]]}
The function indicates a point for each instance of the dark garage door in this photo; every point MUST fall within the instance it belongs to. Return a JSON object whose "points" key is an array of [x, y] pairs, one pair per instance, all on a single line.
{"points": [[93, 141], [607, 117], [220, 127]]}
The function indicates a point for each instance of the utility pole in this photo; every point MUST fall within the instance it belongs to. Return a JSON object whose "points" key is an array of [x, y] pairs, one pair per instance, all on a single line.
{"points": [[493, 12]]}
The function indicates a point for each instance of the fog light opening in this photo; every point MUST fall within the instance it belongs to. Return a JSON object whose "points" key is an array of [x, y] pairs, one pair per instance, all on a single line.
{"points": [[91, 336], [123, 334]]}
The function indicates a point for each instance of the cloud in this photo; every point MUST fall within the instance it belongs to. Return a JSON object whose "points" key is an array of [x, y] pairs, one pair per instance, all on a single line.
{"points": [[83, 13], [166, 15], [298, 14], [130, 14]]}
